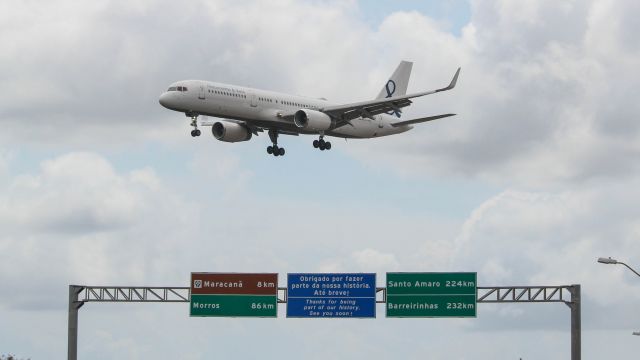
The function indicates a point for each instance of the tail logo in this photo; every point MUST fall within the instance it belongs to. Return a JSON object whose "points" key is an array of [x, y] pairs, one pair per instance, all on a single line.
{"points": [[390, 87]]}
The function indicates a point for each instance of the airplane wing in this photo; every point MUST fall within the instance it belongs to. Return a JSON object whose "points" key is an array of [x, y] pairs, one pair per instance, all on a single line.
{"points": [[367, 109], [420, 120]]}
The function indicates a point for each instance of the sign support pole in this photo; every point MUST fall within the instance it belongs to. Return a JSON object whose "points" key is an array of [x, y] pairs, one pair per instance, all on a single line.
{"points": [[74, 305], [576, 335]]}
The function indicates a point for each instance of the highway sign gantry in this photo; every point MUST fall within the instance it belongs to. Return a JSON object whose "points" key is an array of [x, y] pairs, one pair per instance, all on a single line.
{"points": [[343, 295], [234, 295], [431, 294]]}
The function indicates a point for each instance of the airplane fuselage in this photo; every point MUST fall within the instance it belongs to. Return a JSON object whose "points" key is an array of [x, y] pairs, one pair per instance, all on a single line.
{"points": [[264, 108]]}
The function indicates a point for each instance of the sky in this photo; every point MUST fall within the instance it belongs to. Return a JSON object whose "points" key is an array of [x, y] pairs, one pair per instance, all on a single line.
{"points": [[533, 180]]}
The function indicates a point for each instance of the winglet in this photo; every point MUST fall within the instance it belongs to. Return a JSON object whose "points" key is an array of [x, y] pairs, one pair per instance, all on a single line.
{"points": [[453, 82]]}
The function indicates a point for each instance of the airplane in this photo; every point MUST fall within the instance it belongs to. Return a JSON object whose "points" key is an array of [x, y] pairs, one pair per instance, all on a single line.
{"points": [[245, 112]]}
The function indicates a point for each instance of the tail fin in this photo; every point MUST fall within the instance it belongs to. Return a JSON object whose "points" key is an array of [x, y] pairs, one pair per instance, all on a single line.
{"points": [[398, 82]]}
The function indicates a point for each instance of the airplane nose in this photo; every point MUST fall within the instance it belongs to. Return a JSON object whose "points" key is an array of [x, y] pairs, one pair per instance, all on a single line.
{"points": [[164, 100]]}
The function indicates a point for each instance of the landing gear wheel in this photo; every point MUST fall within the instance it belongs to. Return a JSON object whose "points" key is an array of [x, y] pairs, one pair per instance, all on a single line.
{"points": [[321, 146], [327, 145], [275, 150], [194, 123], [316, 143]]}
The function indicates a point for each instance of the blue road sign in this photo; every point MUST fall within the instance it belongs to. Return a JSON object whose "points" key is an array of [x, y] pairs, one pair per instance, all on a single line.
{"points": [[331, 295]]}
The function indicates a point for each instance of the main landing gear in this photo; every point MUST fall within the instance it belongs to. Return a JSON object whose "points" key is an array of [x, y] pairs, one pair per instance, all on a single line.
{"points": [[275, 150], [194, 122], [321, 144]]}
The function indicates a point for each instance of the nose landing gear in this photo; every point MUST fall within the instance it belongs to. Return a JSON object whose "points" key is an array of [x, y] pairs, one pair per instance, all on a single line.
{"points": [[274, 150], [194, 122], [321, 144]]}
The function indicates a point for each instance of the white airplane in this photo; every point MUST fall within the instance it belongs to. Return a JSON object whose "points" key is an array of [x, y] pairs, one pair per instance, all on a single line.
{"points": [[245, 112]]}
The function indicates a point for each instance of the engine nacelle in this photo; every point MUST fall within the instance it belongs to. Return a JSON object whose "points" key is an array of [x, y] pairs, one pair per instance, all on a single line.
{"points": [[312, 120], [230, 132]]}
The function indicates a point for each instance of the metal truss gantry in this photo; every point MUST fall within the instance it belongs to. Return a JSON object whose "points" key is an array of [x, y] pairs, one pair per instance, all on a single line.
{"points": [[80, 294], [568, 294]]}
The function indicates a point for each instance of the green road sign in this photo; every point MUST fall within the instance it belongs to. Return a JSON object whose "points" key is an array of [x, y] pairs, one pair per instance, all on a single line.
{"points": [[234, 294], [234, 305], [431, 294]]}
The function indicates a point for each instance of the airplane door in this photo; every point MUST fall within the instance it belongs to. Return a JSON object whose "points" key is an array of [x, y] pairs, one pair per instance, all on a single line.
{"points": [[201, 93], [254, 100]]}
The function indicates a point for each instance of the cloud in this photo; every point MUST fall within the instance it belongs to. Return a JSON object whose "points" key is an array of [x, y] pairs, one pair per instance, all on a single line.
{"points": [[536, 102], [536, 105], [5, 161], [77, 219], [75, 193], [546, 116], [535, 238], [366, 260]]}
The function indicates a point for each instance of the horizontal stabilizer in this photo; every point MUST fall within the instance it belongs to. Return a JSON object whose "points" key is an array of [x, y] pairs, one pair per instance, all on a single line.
{"points": [[421, 120]]}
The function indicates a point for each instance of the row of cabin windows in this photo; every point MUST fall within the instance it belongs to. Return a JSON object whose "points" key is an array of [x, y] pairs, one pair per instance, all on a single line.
{"points": [[227, 93], [289, 103], [285, 102]]}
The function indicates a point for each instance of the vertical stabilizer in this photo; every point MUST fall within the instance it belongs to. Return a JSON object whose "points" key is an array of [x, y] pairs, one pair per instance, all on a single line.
{"points": [[398, 82]]}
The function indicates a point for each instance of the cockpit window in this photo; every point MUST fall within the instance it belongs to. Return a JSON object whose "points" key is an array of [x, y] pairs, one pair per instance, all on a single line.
{"points": [[173, 88]]}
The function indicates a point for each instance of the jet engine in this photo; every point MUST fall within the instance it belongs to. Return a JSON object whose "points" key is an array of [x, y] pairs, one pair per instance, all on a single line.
{"points": [[312, 120], [230, 132]]}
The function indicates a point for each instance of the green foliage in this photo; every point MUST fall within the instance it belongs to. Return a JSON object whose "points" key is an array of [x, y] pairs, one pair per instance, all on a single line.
{"points": [[12, 357]]}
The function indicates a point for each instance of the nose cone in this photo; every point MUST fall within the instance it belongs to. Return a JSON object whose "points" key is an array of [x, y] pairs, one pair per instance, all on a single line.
{"points": [[164, 100]]}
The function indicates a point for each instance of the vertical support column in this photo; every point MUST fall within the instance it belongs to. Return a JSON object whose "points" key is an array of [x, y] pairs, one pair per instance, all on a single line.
{"points": [[72, 337], [575, 323]]}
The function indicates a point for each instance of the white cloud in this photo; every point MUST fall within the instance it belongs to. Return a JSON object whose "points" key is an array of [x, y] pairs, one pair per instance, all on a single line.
{"points": [[545, 105], [78, 219], [367, 260], [5, 161], [78, 192], [524, 238], [536, 102], [375, 260]]}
